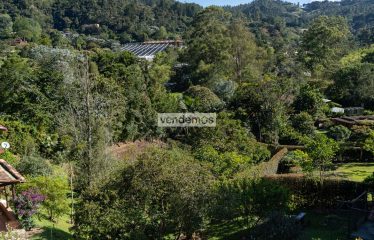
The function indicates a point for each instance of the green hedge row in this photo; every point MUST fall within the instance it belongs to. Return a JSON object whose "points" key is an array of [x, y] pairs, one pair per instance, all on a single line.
{"points": [[271, 167], [309, 193]]}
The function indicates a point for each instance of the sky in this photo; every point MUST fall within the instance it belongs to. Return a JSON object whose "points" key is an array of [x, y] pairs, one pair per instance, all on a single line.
{"points": [[232, 2]]}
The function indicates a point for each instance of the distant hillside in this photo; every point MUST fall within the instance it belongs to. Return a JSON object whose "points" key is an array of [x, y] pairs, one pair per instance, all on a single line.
{"points": [[140, 20], [359, 13], [130, 20]]}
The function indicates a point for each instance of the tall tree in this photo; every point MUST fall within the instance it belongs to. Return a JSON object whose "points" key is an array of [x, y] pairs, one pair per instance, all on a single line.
{"points": [[246, 57], [324, 42], [6, 26], [209, 44]]}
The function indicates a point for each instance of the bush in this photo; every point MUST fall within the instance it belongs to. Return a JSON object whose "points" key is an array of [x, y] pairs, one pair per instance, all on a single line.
{"points": [[163, 192], [369, 182], [304, 123], [339, 133], [10, 158], [27, 204], [34, 166], [278, 226], [297, 158], [55, 189], [202, 99], [20, 136], [228, 136]]}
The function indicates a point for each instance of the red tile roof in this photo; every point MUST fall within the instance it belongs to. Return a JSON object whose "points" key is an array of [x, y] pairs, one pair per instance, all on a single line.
{"points": [[8, 174]]}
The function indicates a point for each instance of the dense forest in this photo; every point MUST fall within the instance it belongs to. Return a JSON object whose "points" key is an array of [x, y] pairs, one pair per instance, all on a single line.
{"points": [[81, 115]]}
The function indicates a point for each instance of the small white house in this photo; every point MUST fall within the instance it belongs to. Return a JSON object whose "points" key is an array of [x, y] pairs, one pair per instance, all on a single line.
{"points": [[337, 110]]}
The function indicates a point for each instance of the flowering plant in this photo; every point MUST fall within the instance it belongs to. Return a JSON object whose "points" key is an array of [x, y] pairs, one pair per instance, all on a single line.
{"points": [[27, 204]]}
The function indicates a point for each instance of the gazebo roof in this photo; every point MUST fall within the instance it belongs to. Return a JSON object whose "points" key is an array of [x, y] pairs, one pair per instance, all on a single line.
{"points": [[9, 175]]}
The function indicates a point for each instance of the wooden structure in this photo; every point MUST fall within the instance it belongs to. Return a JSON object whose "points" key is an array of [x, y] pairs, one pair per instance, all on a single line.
{"points": [[9, 177], [18, 41]]}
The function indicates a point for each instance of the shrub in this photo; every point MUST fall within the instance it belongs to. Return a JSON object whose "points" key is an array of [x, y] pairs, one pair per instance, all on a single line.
{"points": [[20, 136], [309, 100], [369, 182], [34, 166], [55, 189], [278, 226], [10, 158], [27, 204], [304, 123], [298, 158], [202, 99], [339, 133], [163, 192], [369, 143]]}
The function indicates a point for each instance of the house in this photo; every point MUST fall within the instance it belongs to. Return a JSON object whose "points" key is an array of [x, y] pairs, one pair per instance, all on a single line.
{"points": [[9, 177], [18, 42]]}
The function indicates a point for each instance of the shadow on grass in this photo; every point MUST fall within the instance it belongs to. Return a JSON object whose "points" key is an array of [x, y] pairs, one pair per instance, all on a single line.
{"points": [[356, 165], [50, 233], [232, 230]]}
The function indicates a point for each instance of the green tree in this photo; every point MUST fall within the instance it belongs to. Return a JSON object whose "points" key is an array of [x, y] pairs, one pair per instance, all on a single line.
{"points": [[6, 26], [339, 133], [304, 123], [247, 59], [324, 42], [162, 192], [27, 28], [309, 100], [354, 85], [209, 43], [369, 143], [55, 188], [230, 139], [161, 34], [34, 166], [321, 150], [262, 105], [202, 99]]}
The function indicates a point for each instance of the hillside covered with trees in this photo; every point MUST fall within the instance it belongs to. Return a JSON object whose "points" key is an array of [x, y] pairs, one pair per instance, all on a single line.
{"points": [[292, 87]]}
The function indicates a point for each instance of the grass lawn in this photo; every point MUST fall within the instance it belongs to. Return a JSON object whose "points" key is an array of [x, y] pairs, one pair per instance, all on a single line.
{"points": [[58, 232], [325, 226], [319, 226], [232, 230], [353, 171]]}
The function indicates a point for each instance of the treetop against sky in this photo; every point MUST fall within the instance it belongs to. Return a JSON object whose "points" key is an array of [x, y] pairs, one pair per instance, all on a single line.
{"points": [[206, 3]]}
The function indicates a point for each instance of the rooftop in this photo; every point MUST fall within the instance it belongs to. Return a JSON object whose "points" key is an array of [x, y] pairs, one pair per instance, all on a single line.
{"points": [[9, 175], [148, 50]]}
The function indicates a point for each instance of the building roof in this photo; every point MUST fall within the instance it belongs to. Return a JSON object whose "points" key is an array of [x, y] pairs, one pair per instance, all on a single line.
{"points": [[148, 50], [337, 110], [9, 175], [2, 128]]}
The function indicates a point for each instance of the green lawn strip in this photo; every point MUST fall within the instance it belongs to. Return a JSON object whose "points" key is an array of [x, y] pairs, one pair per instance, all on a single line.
{"points": [[325, 227], [60, 230], [353, 171], [319, 226]]}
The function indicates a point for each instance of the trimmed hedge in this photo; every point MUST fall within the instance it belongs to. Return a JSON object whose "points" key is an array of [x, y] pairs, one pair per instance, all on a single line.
{"points": [[271, 167], [308, 193]]}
